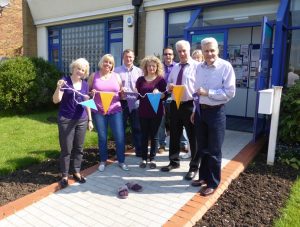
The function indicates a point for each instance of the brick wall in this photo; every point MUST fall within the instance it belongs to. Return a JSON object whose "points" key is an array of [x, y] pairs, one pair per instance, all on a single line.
{"points": [[17, 32], [29, 32]]}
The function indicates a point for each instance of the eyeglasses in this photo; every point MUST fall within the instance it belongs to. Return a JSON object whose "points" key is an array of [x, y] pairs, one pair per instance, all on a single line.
{"points": [[167, 54]]}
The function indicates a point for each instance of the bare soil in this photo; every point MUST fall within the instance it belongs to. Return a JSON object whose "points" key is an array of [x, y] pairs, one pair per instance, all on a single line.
{"points": [[253, 199]]}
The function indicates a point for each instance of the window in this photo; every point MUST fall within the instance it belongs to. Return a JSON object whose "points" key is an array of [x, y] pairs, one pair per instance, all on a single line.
{"points": [[295, 11], [85, 40]]}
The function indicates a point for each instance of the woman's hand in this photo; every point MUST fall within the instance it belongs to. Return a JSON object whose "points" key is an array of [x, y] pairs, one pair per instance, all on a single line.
{"points": [[60, 84], [156, 91], [93, 92], [90, 125]]}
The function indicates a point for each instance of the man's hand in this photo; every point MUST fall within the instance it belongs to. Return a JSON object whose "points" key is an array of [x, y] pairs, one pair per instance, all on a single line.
{"points": [[201, 91]]}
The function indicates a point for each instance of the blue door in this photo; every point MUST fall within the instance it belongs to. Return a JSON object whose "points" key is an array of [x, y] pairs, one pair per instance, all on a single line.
{"points": [[263, 79]]}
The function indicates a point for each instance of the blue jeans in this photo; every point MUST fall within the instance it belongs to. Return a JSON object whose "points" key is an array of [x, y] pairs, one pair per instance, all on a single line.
{"points": [[134, 124], [115, 122]]}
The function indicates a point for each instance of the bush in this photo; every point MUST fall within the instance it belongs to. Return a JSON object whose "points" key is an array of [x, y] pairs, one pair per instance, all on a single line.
{"points": [[26, 84], [290, 116]]}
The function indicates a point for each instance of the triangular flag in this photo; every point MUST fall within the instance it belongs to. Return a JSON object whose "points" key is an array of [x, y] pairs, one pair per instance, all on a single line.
{"points": [[106, 98], [154, 100], [89, 103], [178, 93], [196, 102], [131, 98]]}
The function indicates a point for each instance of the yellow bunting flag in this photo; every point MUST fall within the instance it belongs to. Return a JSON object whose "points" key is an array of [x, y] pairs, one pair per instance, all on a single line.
{"points": [[106, 98], [178, 91]]}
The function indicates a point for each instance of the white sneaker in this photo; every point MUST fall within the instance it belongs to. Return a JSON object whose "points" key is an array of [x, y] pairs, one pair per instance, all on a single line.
{"points": [[123, 166], [186, 155], [101, 166]]}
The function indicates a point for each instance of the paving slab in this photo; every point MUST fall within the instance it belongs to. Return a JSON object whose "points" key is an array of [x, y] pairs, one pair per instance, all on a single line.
{"points": [[95, 203]]}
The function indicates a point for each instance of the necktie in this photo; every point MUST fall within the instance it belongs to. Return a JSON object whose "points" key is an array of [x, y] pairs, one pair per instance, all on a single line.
{"points": [[179, 77]]}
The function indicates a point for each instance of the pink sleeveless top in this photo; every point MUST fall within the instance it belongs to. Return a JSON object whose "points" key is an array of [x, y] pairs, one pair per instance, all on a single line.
{"points": [[110, 85]]}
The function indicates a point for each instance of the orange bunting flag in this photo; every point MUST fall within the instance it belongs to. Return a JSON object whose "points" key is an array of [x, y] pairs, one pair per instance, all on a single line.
{"points": [[178, 91], [106, 98]]}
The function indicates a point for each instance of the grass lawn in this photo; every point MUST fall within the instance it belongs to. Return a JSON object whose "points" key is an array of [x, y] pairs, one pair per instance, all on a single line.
{"points": [[29, 139], [291, 213]]}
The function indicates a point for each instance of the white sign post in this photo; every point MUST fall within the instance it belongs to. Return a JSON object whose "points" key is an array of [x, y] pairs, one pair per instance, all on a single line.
{"points": [[269, 103]]}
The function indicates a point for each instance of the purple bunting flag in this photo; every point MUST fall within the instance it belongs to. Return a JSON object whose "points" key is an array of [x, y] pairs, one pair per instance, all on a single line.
{"points": [[131, 98]]}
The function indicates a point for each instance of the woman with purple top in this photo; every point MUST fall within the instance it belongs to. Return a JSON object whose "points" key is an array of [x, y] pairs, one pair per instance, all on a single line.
{"points": [[106, 80], [152, 82], [73, 118]]}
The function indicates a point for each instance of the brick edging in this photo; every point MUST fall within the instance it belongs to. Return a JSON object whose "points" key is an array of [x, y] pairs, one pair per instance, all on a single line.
{"points": [[194, 209], [19, 204]]}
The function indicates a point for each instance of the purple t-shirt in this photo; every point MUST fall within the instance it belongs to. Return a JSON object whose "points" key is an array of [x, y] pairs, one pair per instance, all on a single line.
{"points": [[145, 109], [110, 85], [69, 108]]}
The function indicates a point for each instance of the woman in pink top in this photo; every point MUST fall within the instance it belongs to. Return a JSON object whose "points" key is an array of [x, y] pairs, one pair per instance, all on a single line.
{"points": [[106, 80]]}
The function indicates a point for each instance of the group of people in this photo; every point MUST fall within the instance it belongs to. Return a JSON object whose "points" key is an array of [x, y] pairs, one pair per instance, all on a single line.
{"points": [[210, 78]]}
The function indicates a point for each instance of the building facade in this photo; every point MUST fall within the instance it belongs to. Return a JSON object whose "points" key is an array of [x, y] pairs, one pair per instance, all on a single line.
{"points": [[259, 37], [17, 31]]}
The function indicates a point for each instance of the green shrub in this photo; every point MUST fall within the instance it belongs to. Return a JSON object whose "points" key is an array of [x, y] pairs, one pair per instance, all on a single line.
{"points": [[44, 84], [289, 121], [26, 84]]}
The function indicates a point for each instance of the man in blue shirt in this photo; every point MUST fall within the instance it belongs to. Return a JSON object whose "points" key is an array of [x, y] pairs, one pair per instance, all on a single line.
{"points": [[215, 85], [129, 74]]}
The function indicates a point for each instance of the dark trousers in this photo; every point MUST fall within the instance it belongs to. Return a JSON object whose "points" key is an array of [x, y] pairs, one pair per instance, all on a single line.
{"points": [[179, 118], [210, 131], [71, 140], [133, 118], [149, 128]]}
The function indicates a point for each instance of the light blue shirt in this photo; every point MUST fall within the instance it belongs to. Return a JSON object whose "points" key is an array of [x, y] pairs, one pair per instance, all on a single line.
{"points": [[188, 78], [218, 79], [129, 76]]}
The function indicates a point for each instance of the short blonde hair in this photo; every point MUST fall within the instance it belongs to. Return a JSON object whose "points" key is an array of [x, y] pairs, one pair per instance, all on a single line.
{"points": [[146, 60], [197, 52], [80, 62], [108, 57]]}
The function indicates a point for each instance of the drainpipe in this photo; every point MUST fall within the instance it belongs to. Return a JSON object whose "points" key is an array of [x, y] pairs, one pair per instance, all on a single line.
{"points": [[137, 4]]}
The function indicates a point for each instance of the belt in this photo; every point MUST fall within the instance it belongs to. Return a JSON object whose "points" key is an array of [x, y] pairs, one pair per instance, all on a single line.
{"points": [[204, 106], [185, 102]]}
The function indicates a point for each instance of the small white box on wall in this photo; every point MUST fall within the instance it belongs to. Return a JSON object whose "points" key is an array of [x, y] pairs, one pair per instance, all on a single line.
{"points": [[266, 98]]}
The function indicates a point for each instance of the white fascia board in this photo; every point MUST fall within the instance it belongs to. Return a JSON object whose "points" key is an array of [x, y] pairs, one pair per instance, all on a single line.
{"points": [[161, 2], [85, 14]]}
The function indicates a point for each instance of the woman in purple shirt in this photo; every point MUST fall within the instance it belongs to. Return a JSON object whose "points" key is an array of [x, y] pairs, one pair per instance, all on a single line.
{"points": [[106, 80], [73, 118], [152, 82]]}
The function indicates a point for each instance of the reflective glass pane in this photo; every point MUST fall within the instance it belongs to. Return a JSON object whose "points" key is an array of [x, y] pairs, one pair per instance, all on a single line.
{"points": [[116, 24], [86, 41], [295, 51], [116, 35], [177, 22], [240, 13], [116, 50], [295, 9]]}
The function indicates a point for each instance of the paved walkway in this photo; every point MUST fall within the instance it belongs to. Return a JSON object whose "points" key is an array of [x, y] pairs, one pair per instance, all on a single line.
{"points": [[95, 203]]}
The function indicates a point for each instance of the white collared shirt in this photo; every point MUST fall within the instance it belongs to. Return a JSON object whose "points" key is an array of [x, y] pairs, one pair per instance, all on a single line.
{"points": [[218, 79], [188, 78]]}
